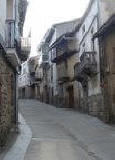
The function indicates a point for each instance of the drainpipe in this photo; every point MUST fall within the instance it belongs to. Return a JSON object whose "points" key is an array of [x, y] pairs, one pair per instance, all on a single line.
{"points": [[16, 102], [16, 75], [98, 26]]}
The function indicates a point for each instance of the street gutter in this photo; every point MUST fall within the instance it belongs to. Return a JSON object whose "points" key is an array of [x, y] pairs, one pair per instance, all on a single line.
{"points": [[18, 150]]}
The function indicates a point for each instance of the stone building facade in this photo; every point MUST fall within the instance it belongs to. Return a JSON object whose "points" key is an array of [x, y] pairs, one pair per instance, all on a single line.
{"points": [[24, 81], [44, 70], [8, 102], [87, 72], [27, 81], [24, 77], [10, 53], [64, 51], [74, 73], [106, 35], [32, 64]]}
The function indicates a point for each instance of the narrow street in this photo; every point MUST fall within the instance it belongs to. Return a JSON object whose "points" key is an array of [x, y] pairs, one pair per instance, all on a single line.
{"points": [[57, 80], [62, 134]]}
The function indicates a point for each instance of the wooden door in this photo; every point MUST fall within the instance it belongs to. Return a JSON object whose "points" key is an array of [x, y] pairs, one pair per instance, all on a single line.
{"points": [[23, 93], [71, 96], [33, 92]]}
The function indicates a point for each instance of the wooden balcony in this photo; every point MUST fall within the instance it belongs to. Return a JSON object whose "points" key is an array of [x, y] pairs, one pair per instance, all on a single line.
{"points": [[87, 67], [88, 63], [72, 43], [44, 60], [25, 47], [25, 44], [66, 48]]}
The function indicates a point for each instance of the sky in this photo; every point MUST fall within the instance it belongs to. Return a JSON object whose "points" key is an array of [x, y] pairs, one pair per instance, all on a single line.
{"points": [[42, 14]]}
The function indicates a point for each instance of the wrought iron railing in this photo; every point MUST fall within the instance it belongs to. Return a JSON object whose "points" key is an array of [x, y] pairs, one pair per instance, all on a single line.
{"points": [[87, 66], [25, 44]]}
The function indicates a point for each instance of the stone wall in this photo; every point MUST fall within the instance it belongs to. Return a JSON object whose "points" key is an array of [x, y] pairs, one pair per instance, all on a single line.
{"points": [[7, 99], [108, 73]]}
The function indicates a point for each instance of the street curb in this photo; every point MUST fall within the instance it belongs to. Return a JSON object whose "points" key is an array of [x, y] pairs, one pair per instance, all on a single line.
{"points": [[18, 150]]}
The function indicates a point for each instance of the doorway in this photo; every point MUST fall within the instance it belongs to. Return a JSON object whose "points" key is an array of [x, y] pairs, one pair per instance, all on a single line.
{"points": [[23, 93], [71, 96]]}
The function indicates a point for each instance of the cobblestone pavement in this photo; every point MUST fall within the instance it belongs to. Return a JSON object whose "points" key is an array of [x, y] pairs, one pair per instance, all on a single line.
{"points": [[62, 134]]}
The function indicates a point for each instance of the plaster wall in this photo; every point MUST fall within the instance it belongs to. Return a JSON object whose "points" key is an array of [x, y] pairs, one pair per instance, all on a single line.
{"points": [[2, 17], [85, 36], [107, 9], [24, 78]]}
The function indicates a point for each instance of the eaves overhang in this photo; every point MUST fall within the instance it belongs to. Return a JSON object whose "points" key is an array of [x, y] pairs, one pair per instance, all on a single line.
{"points": [[106, 28], [68, 34], [60, 40], [64, 56]]}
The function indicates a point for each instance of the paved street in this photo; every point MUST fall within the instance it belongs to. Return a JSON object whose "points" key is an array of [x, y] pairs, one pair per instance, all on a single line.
{"points": [[62, 134]]}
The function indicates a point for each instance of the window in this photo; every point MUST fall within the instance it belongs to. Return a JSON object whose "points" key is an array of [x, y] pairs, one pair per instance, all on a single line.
{"points": [[83, 45], [92, 30], [83, 29]]}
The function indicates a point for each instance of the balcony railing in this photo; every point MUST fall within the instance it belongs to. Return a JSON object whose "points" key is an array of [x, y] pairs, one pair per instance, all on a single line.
{"points": [[87, 66], [25, 44], [72, 43], [25, 47], [10, 33], [65, 49], [88, 63], [44, 60]]}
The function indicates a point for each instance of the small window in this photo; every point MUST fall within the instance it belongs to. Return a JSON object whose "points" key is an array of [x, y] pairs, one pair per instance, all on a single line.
{"points": [[83, 29], [92, 30], [83, 45]]}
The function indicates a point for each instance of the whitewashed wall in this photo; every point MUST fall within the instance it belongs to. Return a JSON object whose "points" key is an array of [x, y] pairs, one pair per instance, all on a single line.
{"points": [[85, 44], [7, 11], [63, 28], [107, 9], [2, 17], [86, 36], [10, 9], [60, 29], [24, 78], [17, 34]]}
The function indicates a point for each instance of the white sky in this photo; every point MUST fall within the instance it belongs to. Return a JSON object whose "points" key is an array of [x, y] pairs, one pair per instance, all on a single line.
{"points": [[41, 14]]}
